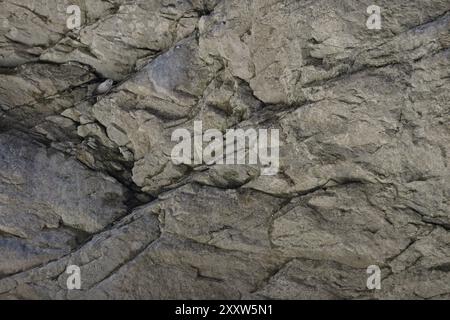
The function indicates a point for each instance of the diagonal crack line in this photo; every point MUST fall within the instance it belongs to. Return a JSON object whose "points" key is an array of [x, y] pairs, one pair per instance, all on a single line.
{"points": [[80, 246], [133, 257]]}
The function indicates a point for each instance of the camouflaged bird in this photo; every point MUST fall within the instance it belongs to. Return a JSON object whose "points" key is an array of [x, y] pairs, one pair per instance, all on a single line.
{"points": [[103, 87]]}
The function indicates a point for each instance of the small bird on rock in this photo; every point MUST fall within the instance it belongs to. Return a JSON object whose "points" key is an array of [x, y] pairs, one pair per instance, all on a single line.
{"points": [[104, 87]]}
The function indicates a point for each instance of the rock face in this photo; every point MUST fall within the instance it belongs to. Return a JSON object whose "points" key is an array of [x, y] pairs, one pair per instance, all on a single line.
{"points": [[87, 179]]}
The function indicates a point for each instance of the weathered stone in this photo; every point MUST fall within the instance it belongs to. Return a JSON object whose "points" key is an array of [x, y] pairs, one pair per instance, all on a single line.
{"points": [[363, 173], [48, 203]]}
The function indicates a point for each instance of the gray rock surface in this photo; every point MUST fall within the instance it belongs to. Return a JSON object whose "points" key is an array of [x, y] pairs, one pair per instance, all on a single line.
{"points": [[87, 180]]}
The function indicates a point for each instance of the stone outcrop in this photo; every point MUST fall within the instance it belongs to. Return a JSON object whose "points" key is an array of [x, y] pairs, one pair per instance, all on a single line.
{"points": [[87, 179]]}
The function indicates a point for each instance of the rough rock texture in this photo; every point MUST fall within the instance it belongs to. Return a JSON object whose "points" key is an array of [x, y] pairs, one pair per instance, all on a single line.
{"points": [[87, 179]]}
